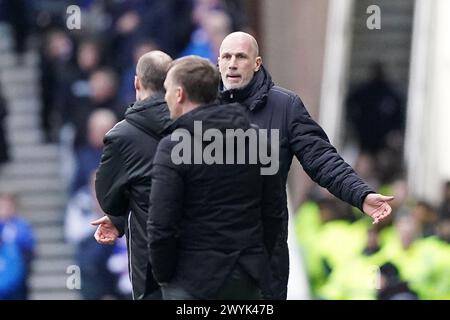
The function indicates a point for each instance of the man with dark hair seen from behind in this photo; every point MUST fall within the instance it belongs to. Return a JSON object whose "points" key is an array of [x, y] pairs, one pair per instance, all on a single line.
{"points": [[212, 226], [123, 178], [245, 80]]}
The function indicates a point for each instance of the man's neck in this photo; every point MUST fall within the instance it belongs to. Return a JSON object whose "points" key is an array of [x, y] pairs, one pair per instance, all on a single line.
{"points": [[145, 94], [188, 107]]}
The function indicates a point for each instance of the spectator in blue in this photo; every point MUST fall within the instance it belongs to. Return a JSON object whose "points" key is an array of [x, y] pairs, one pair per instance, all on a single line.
{"points": [[11, 271], [213, 25], [15, 231]]}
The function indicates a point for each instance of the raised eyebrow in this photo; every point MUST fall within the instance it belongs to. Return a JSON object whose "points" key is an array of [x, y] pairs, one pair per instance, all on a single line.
{"points": [[243, 54], [234, 54]]}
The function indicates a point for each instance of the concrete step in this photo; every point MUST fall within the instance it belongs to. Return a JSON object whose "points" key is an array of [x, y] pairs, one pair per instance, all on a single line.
{"points": [[398, 59], [8, 60], [30, 136], [55, 295], [51, 266], [21, 170], [22, 121], [394, 72], [55, 250], [36, 153], [37, 185], [51, 282], [46, 164], [397, 54], [13, 90], [20, 76], [384, 55], [390, 21], [44, 218], [42, 202], [21, 106], [395, 40], [53, 234]]}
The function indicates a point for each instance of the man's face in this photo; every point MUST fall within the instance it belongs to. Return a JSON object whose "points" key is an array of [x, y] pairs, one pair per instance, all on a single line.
{"points": [[7, 208], [237, 63], [172, 96]]}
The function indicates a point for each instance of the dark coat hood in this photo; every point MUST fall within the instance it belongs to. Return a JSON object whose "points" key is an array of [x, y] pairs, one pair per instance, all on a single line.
{"points": [[215, 116], [150, 115]]}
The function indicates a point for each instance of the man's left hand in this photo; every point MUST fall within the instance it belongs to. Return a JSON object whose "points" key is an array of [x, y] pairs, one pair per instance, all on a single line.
{"points": [[377, 206], [106, 231]]}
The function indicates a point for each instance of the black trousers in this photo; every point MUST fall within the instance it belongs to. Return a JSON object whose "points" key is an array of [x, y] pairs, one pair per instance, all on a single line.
{"points": [[238, 286]]}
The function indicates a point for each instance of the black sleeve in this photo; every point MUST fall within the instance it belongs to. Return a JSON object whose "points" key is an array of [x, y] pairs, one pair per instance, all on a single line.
{"points": [[320, 159], [111, 183], [120, 223], [272, 210], [3, 111], [165, 208]]}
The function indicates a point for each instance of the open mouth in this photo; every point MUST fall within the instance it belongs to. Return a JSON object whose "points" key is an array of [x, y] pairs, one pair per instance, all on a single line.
{"points": [[233, 77]]}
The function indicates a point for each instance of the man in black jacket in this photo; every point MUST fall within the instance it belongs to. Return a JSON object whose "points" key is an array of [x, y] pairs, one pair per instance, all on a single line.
{"points": [[123, 178], [213, 222], [246, 81]]}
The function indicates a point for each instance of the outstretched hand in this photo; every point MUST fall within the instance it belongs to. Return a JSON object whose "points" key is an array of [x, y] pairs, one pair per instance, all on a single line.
{"points": [[377, 206], [106, 231]]}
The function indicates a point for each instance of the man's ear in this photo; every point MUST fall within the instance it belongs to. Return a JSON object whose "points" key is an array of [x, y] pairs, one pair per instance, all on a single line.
{"points": [[181, 95], [258, 63], [137, 84]]}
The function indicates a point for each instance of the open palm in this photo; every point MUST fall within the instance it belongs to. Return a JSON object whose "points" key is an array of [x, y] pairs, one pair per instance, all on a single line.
{"points": [[106, 231], [377, 206]]}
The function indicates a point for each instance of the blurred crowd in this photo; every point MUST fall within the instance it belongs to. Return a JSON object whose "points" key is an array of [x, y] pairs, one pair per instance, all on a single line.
{"points": [[405, 257], [87, 83]]}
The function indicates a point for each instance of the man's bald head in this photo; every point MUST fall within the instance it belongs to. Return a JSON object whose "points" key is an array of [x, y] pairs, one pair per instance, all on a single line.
{"points": [[151, 70], [239, 60], [242, 38]]}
